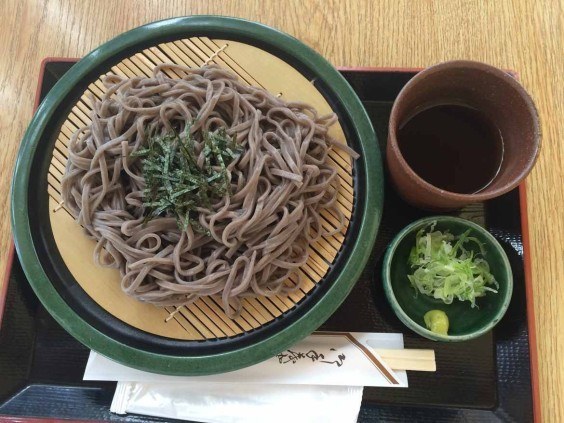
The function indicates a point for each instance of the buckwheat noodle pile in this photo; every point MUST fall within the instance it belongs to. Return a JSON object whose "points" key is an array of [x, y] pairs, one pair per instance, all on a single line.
{"points": [[255, 237]]}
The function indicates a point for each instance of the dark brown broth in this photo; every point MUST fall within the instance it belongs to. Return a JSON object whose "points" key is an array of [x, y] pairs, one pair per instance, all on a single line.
{"points": [[453, 147]]}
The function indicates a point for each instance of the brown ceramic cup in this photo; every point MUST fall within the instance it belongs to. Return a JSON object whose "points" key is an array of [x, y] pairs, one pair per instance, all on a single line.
{"points": [[485, 88]]}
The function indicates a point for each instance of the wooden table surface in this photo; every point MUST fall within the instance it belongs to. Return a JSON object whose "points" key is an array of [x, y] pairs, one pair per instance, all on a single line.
{"points": [[527, 36]]}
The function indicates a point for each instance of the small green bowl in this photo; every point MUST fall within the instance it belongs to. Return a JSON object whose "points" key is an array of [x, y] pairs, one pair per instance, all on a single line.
{"points": [[464, 322]]}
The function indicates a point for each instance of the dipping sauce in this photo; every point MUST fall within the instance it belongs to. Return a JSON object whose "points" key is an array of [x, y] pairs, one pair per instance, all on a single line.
{"points": [[453, 147]]}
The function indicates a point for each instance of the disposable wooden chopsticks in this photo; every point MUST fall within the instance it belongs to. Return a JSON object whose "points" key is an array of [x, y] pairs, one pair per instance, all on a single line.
{"points": [[408, 359]]}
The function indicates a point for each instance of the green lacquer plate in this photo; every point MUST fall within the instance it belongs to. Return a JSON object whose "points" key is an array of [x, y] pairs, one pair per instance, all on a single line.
{"points": [[89, 323]]}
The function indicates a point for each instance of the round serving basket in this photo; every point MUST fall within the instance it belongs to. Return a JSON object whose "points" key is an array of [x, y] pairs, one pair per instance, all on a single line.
{"points": [[87, 300]]}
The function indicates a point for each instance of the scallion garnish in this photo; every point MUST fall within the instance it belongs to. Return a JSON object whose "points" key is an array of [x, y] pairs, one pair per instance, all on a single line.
{"points": [[445, 271]]}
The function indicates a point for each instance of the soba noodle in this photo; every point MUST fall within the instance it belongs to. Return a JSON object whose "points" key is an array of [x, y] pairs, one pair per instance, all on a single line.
{"points": [[255, 238]]}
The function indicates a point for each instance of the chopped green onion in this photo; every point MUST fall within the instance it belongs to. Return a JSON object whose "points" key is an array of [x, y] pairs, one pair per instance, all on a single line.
{"points": [[445, 271]]}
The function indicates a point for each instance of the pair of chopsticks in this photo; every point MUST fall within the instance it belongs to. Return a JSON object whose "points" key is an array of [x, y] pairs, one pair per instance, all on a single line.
{"points": [[396, 359], [408, 359]]}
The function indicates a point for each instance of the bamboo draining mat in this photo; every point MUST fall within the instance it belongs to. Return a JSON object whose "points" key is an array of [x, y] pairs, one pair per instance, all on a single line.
{"points": [[204, 319]]}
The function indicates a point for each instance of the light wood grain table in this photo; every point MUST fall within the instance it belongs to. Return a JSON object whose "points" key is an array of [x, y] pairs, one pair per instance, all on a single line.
{"points": [[527, 36]]}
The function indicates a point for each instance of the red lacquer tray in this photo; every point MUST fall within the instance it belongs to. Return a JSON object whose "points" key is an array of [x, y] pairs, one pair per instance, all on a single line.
{"points": [[493, 378]]}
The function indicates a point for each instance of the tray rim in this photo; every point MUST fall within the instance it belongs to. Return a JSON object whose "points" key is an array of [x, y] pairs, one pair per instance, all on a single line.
{"points": [[302, 324], [527, 263]]}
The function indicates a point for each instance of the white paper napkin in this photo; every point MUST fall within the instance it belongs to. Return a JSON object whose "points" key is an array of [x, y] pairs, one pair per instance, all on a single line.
{"points": [[217, 402]]}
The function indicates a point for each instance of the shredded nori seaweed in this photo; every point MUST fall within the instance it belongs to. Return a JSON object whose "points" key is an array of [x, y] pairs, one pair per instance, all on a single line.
{"points": [[174, 183]]}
